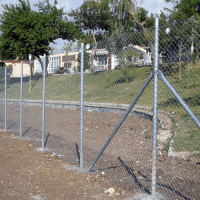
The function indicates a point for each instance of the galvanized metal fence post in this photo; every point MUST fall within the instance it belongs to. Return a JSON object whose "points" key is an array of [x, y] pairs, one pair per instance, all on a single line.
{"points": [[81, 105], [155, 101], [21, 98], [43, 102], [5, 114]]}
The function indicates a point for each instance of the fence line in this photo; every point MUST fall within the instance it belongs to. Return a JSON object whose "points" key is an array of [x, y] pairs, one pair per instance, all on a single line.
{"points": [[133, 148]]}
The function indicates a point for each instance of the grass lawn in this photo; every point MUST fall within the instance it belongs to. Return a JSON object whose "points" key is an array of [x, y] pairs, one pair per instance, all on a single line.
{"points": [[121, 86]]}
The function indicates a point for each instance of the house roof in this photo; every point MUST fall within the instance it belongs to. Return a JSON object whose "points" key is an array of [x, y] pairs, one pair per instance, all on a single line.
{"points": [[136, 47], [14, 61], [102, 52]]}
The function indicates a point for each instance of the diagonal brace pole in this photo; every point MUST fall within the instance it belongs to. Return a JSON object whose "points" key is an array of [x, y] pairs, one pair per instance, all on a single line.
{"points": [[179, 99], [122, 120]]}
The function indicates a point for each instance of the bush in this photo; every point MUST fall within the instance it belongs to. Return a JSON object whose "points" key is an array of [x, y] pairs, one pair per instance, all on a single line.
{"points": [[59, 71], [86, 61]]}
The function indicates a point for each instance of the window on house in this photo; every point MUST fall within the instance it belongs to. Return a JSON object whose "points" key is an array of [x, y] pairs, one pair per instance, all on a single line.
{"points": [[54, 64]]}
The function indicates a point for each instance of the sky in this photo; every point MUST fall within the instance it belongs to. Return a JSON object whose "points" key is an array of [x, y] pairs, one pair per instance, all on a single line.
{"points": [[152, 6]]}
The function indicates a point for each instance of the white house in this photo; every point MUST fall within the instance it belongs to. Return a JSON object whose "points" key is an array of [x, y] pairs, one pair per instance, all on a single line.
{"points": [[137, 55], [103, 60], [16, 68]]}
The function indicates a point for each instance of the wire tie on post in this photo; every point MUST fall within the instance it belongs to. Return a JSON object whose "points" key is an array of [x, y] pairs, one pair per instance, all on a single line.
{"points": [[156, 72]]}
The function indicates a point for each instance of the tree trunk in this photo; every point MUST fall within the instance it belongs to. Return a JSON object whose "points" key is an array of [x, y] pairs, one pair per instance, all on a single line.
{"points": [[93, 51], [145, 31], [42, 64]]}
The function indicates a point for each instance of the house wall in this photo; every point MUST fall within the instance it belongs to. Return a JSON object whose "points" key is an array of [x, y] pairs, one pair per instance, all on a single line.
{"points": [[54, 63], [114, 61], [71, 58], [16, 68], [63, 58]]}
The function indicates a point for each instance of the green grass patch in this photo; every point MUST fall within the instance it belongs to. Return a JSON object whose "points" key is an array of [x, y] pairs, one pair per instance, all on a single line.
{"points": [[120, 87], [187, 135]]}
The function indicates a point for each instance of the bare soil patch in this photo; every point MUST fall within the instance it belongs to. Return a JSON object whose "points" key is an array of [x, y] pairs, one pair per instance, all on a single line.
{"points": [[127, 160], [28, 174]]}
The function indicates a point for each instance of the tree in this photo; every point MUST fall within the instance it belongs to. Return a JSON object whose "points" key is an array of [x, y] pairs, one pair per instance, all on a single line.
{"points": [[25, 31], [130, 15], [184, 9], [94, 20], [120, 9], [67, 47], [53, 49], [90, 17], [186, 16]]}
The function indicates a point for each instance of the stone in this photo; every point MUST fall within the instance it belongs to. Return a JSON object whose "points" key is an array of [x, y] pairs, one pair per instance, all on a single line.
{"points": [[111, 190], [164, 135]]}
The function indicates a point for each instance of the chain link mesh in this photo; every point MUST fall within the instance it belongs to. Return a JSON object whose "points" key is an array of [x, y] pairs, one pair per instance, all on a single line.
{"points": [[115, 70], [120, 67], [178, 162]]}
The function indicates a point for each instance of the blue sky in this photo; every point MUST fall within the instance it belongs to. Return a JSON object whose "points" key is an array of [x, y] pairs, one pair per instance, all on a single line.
{"points": [[152, 6]]}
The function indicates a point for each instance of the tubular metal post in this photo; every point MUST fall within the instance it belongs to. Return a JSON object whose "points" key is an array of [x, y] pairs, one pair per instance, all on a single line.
{"points": [[122, 120], [43, 102], [21, 98], [5, 98], [179, 99], [155, 111], [30, 83], [81, 102]]}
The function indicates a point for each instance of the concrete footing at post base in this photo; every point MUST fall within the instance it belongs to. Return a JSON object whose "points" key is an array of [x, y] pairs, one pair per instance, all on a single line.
{"points": [[79, 169], [144, 196]]}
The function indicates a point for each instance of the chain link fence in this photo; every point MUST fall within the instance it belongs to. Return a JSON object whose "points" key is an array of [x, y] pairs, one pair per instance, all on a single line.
{"points": [[120, 67], [179, 48], [140, 97]]}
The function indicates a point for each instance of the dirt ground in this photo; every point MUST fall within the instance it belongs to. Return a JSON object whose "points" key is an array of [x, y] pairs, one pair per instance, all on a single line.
{"points": [[126, 162], [28, 174]]}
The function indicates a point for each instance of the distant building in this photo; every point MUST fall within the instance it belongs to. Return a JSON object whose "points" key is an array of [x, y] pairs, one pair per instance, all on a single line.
{"points": [[140, 56], [16, 67], [103, 60]]}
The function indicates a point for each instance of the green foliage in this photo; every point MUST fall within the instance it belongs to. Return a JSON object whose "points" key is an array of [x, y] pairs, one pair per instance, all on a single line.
{"points": [[86, 61], [87, 39], [129, 54], [142, 15], [59, 71], [67, 64], [181, 36], [91, 16], [121, 9], [67, 47], [27, 31], [2, 64], [184, 9]]}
